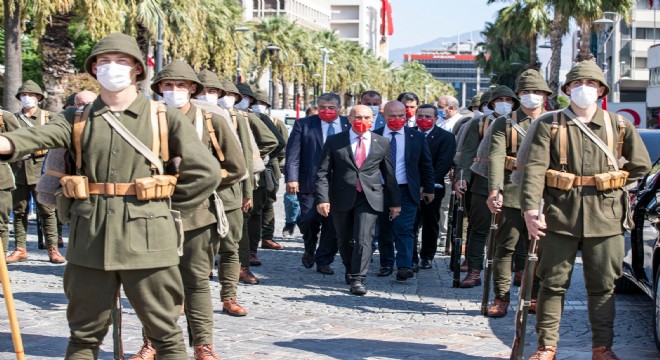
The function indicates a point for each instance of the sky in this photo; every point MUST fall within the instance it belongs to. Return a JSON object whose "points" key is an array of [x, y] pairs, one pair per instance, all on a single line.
{"points": [[419, 21]]}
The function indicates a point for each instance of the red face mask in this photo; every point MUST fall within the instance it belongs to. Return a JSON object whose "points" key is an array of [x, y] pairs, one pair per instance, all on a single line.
{"points": [[410, 112], [328, 115], [361, 126], [395, 124], [425, 124]]}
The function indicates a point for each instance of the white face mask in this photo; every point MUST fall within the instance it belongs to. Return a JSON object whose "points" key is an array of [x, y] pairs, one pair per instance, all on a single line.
{"points": [[210, 98], [176, 99], [503, 108], [243, 104], [477, 113], [227, 101], [114, 77], [531, 101], [486, 110], [375, 109], [584, 96], [28, 102], [260, 109]]}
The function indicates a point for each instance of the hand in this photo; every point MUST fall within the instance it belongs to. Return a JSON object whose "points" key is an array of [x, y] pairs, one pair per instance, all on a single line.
{"points": [[247, 205], [495, 205], [323, 209], [535, 224], [394, 212], [292, 187], [460, 187], [428, 198]]}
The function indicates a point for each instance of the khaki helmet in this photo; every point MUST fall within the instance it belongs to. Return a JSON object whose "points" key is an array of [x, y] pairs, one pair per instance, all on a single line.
{"points": [[262, 96], [211, 81], [177, 70], [476, 100], [246, 90], [587, 69], [230, 88], [30, 87], [117, 43], [501, 91], [485, 98], [532, 80]]}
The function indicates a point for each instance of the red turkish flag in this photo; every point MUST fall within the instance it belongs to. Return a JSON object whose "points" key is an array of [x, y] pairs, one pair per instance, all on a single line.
{"points": [[386, 25]]}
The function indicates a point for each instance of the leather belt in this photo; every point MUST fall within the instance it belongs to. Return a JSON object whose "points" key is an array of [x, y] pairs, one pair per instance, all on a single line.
{"points": [[584, 181], [112, 189]]}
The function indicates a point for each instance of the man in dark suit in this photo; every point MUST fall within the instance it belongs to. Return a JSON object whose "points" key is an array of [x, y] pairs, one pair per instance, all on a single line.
{"points": [[349, 185], [413, 168], [373, 100], [442, 146], [303, 153]]}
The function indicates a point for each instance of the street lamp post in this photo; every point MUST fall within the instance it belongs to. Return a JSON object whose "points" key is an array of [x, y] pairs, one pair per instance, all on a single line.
{"points": [[316, 77], [325, 52], [239, 78], [603, 33], [272, 49]]}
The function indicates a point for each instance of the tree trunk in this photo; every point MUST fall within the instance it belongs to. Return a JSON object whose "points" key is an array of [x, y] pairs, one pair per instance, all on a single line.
{"points": [[285, 94], [13, 55], [533, 58], [143, 43], [56, 51], [305, 99], [274, 90], [585, 43], [557, 30]]}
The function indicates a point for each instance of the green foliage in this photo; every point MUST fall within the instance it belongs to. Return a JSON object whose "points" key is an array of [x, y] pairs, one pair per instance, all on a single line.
{"points": [[32, 64], [82, 45], [562, 101]]}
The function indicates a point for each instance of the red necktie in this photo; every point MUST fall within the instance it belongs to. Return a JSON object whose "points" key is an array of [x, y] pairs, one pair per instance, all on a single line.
{"points": [[360, 156]]}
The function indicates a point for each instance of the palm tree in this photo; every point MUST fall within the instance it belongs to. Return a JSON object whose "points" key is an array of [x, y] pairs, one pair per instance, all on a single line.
{"points": [[525, 20], [13, 60], [499, 53]]}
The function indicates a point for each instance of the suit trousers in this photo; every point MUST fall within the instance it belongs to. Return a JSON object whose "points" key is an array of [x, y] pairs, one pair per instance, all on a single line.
{"points": [[355, 229], [255, 221], [511, 232], [229, 266], [47, 217], [5, 210], [479, 218], [428, 217], [156, 295], [398, 233], [602, 259], [311, 223]]}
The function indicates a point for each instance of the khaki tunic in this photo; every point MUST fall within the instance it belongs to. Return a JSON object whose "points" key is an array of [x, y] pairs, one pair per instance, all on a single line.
{"points": [[468, 153], [121, 232], [581, 211], [6, 173], [232, 198], [28, 171]]}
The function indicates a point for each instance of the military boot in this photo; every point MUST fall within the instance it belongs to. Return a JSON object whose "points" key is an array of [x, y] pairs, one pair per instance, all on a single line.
{"points": [[472, 279], [247, 277], [231, 307], [544, 353], [147, 351], [603, 353], [205, 352], [55, 256], [19, 254], [498, 309]]}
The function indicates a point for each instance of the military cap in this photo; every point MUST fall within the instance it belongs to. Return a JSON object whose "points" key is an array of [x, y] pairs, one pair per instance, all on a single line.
{"points": [[70, 101], [246, 90], [262, 96], [117, 43], [30, 87], [531, 80], [501, 91], [587, 69], [177, 70], [210, 80], [476, 100], [229, 87]]}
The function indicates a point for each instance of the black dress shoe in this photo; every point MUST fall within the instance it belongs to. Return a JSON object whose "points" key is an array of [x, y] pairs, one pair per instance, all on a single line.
{"points": [[426, 264], [307, 260], [385, 271], [325, 269], [404, 274], [358, 288]]}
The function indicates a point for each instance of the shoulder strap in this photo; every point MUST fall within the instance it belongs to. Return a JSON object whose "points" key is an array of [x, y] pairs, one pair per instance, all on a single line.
{"points": [[622, 134], [2, 123], [199, 123], [590, 134], [554, 128], [214, 140], [233, 119], [164, 131], [155, 129], [609, 132], [45, 116], [563, 142], [79, 121], [507, 133]]}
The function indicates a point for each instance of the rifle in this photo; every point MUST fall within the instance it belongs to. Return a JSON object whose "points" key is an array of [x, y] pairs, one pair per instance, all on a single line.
{"points": [[490, 250], [40, 232], [457, 242], [450, 225], [11, 310], [525, 297], [118, 350]]}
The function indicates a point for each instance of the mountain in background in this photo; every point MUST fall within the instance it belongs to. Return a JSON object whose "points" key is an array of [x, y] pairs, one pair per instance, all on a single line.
{"points": [[396, 55]]}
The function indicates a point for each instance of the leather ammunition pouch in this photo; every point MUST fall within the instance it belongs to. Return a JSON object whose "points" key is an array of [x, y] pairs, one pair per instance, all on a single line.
{"points": [[155, 187], [75, 187], [606, 181], [611, 180], [509, 163], [559, 179]]}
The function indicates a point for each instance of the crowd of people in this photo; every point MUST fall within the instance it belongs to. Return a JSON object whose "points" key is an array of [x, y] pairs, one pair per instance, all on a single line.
{"points": [[154, 191]]}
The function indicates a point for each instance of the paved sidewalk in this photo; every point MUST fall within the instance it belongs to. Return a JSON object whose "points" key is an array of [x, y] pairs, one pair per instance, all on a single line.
{"points": [[297, 313]]}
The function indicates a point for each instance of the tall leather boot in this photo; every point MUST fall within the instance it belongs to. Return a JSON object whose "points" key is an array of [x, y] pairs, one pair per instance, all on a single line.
{"points": [[472, 279]]}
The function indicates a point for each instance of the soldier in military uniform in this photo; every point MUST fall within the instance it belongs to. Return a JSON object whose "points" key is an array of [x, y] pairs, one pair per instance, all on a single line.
{"points": [[27, 172], [117, 239], [7, 121], [507, 135], [585, 204]]}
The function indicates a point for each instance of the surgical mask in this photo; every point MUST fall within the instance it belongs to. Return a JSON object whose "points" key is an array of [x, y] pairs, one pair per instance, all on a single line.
{"points": [[503, 108], [361, 126], [425, 124], [584, 96], [176, 99], [531, 101], [486, 110], [476, 113], [28, 102], [210, 98], [395, 124], [226, 101], [259, 108], [328, 115], [441, 113], [243, 104], [114, 77], [410, 112], [375, 109]]}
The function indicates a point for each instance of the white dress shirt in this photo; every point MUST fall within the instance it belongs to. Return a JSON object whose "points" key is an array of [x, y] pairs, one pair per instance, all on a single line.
{"points": [[325, 125], [400, 170], [448, 124], [412, 121], [366, 140]]}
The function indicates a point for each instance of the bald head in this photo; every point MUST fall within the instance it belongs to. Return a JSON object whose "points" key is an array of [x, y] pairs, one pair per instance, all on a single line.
{"points": [[361, 118], [394, 109], [359, 109], [83, 98]]}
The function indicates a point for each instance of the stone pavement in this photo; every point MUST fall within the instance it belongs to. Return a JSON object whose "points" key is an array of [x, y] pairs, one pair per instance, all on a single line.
{"points": [[297, 313]]}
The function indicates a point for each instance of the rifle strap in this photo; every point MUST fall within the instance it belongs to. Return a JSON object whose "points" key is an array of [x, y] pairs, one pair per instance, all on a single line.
{"points": [[214, 140], [79, 121], [590, 134]]}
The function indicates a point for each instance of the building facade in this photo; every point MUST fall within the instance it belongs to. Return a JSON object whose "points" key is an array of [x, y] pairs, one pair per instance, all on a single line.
{"points": [[360, 21], [311, 14]]}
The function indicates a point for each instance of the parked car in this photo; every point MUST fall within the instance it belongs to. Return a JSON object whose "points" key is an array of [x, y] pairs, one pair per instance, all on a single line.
{"points": [[641, 265], [651, 139]]}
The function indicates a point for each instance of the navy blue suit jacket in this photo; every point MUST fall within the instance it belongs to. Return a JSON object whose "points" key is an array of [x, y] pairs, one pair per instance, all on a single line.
{"points": [[303, 152], [442, 145], [419, 166], [379, 122]]}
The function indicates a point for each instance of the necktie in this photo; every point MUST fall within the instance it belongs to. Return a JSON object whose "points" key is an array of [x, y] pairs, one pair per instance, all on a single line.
{"points": [[393, 149], [331, 130], [360, 156]]}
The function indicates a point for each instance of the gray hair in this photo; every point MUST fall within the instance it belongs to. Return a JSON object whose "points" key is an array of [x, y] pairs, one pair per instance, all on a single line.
{"points": [[451, 101]]}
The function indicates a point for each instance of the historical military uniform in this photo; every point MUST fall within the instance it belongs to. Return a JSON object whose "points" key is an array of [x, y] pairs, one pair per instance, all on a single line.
{"points": [[6, 183], [115, 238], [27, 172], [507, 135], [581, 216]]}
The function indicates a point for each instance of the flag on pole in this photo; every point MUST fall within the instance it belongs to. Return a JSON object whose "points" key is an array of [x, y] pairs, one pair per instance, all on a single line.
{"points": [[386, 25]]}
